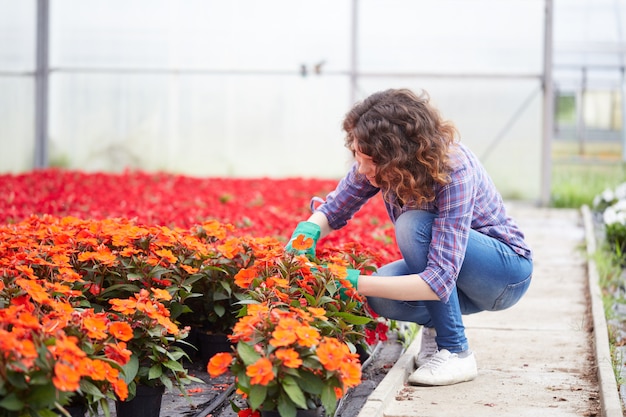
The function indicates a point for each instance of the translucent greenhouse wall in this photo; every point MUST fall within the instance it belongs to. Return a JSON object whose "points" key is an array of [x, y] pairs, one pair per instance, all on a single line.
{"points": [[250, 89]]}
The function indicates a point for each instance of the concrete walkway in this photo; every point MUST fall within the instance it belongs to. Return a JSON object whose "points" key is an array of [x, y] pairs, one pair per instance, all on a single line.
{"points": [[547, 356]]}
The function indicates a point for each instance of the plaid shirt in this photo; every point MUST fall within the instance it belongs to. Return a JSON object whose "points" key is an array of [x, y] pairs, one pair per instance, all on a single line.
{"points": [[469, 201]]}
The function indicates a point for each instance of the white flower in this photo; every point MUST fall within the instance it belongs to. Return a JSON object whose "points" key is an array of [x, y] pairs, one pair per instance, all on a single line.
{"points": [[608, 195], [609, 216], [620, 191], [615, 213]]}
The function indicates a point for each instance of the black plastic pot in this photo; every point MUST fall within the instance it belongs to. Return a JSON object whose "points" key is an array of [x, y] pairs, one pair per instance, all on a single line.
{"points": [[146, 403], [210, 344]]}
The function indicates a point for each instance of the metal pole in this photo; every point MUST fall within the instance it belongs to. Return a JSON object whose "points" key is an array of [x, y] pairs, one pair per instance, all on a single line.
{"points": [[41, 85], [580, 113], [354, 52], [548, 107], [623, 115]]}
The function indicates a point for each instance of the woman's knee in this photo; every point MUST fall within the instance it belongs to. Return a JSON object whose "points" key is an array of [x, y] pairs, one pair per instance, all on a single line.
{"points": [[414, 312], [413, 236]]}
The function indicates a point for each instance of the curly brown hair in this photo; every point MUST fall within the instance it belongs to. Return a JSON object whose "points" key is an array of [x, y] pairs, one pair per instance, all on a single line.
{"points": [[407, 139]]}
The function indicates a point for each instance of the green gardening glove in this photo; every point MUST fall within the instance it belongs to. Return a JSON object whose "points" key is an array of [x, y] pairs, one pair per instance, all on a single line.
{"points": [[304, 239], [353, 278]]}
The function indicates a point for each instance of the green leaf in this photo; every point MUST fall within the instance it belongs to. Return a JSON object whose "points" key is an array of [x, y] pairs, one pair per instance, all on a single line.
{"points": [[219, 310], [158, 271], [311, 383], [329, 399], [130, 369], [41, 396], [17, 379], [167, 382], [88, 388], [46, 413], [174, 366], [247, 353], [155, 371], [286, 408], [226, 287], [352, 318], [219, 295], [11, 403], [290, 385], [134, 277], [257, 396]]}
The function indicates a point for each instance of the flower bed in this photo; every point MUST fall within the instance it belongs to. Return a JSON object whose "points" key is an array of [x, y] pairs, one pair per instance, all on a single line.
{"points": [[256, 207], [99, 273]]}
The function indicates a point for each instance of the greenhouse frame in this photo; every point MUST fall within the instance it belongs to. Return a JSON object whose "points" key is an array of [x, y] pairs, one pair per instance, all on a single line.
{"points": [[259, 89]]}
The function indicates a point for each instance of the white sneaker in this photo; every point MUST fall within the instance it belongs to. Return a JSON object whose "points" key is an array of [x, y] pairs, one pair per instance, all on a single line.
{"points": [[428, 346], [445, 368]]}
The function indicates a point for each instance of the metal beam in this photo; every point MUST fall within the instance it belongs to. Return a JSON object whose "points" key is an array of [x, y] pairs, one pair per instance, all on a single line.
{"points": [[548, 107], [41, 85], [354, 50]]}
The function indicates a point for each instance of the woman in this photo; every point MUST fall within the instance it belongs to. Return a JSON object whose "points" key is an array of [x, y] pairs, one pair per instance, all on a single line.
{"points": [[461, 253]]}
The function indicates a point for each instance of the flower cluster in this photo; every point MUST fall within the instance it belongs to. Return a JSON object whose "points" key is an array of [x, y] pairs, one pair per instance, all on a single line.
{"points": [[92, 303], [90, 307], [297, 339], [256, 207], [611, 203]]}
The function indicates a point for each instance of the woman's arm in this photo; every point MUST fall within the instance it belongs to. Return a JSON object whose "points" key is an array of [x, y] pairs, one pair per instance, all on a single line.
{"points": [[403, 287], [320, 219]]}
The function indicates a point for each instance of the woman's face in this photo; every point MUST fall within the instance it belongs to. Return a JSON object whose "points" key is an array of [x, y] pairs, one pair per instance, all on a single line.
{"points": [[366, 165]]}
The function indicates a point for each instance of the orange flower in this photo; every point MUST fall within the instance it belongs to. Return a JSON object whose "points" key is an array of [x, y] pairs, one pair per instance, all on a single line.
{"points": [[121, 330], [219, 364], [289, 357], [96, 369], [302, 243], [215, 229], [120, 388], [244, 328], [102, 256], [318, 313], [127, 307], [245, 276], [277, 282], [286, 321], [338, 271], [331, 353], [283, 337], [350, 372], [189, 269], [95, 326], [167, 255], [307, 336], [161, 294], [66, 347], [260, 372], [68, 275], [65, 377], [26, 270], [36, 291], [230, 248], [117, 352]]}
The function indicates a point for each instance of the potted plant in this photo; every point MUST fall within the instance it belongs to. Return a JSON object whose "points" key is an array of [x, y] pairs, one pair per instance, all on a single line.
{"points": [[295, 340], [214, 311], [82, 285], [57, 349], [156, 362]]}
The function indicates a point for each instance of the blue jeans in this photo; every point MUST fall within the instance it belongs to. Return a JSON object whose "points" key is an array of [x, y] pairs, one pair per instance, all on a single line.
{"points": [[492, 277]]}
